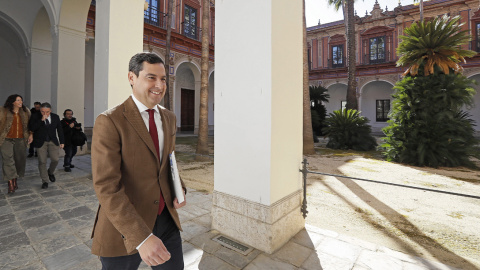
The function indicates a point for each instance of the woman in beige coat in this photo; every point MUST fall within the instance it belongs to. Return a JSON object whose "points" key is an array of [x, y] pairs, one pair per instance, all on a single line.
{"points": [[14, 137]]}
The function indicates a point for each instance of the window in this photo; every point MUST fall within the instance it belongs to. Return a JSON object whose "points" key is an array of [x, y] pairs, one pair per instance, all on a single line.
{"points": [[477, 43], [337, 56], [153, 15], [343, 105], [190, 22], [383, 108], [377, 50]]}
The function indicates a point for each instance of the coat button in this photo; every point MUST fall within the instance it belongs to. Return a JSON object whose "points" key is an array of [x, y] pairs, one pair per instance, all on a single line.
{"points": [[155, 202]]}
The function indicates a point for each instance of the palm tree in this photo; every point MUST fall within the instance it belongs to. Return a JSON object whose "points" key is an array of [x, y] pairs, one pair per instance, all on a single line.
{"points": [[202, 144], [308, 147], [167, 53], [349, 17], [433, 44]]}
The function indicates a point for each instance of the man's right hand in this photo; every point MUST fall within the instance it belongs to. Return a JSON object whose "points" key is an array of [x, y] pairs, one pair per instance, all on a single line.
{"points": [[153, 252], [44, 117]]}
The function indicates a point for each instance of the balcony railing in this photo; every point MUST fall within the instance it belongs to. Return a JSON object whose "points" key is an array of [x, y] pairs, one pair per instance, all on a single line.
{"points": [[337, 63], [379, 58], [191, 31], [154, 17]]}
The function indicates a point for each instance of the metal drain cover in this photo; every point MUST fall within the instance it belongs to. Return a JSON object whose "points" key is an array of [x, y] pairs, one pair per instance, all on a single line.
{"points": [[232, 244]]}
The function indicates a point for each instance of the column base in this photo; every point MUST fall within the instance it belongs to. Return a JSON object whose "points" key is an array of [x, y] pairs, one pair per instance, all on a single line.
{"points": [[264, 227]]}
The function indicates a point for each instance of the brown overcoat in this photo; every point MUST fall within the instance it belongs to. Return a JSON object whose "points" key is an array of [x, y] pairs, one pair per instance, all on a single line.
{"points": [[6, 121], [127, 176]]}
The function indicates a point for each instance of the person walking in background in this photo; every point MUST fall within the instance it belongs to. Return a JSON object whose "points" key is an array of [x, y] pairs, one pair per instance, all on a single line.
{"points": [[45, 130], [14, 137], [34, 110], [70, 126]]}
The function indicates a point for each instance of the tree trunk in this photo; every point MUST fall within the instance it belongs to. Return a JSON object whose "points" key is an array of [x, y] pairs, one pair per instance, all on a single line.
{"points": [[166, 98], [202, 144], [421, 10], [352, 102], [308, 147]]}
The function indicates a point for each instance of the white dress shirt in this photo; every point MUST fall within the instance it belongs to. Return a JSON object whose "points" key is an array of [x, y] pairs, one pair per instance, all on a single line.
{"points": [[158, 121]]}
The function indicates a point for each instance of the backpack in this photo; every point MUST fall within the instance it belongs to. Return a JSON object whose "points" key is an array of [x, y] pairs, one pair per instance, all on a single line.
{"points": [[78, 138]]}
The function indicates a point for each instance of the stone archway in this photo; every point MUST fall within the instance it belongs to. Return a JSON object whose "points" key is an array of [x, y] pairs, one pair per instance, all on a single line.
{"points": [[376, 97], [187, 93], [338, 93], [475, 109]]}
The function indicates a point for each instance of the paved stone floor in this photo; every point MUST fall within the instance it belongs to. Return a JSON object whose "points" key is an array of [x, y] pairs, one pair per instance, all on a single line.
{"points": [[50, 229]]}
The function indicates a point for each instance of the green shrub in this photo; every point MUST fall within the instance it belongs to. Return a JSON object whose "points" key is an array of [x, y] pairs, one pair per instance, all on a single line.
{"points": [[427, 126], [346, 129]]}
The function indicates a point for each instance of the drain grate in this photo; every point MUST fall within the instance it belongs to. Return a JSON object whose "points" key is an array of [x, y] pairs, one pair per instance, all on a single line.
{"points": [[231, 244]]}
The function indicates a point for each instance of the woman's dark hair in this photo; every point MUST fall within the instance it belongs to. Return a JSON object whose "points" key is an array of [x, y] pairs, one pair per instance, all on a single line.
{"points": [[10, 100]]}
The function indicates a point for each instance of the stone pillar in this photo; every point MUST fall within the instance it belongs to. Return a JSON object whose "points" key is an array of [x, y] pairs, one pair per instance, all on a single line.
{"points": [[68, 71], [258, 121], [118, 36]]}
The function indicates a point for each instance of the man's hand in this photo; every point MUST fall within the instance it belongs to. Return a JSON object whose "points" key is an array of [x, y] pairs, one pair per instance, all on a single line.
{"points": [[153, 252], [44, 117], [72, 125], [30, 138], [179, 205], [62, 145]]}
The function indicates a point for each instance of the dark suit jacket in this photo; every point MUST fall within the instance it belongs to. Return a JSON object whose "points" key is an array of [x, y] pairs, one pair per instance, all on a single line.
{"points": [[40, 130], [127, 178]]}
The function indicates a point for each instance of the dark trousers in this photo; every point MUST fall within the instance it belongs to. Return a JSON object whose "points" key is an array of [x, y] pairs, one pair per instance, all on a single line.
{"points": [[70, 152], [31, 149], [167, 231]]}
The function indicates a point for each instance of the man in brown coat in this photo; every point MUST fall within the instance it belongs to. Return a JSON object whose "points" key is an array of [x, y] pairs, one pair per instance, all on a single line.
{"points": [[137, 218]]}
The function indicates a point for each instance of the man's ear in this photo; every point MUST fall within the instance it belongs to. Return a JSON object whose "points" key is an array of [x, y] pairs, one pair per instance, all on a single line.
{"points": [[131, 77]]}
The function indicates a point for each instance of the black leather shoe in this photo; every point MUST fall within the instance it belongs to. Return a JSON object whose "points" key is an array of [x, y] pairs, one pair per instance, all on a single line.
{"points": [[67, 169], [71, 166], [44, 185], [30, 155], [36, 155], [51, 177]]}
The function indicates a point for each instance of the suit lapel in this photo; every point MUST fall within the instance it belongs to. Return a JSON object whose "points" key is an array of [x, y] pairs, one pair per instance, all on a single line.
{"points": [[135, 119], [166, 138]]}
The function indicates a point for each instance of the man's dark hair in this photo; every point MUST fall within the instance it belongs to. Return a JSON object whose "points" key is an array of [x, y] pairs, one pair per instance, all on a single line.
{"points": [[10, 100], [46, 105], [136, 62], [37, 103], [67, 110]]}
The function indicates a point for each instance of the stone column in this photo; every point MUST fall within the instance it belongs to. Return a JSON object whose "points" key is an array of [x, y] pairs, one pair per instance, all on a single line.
{"points": [[258, 121], [118, 36]]}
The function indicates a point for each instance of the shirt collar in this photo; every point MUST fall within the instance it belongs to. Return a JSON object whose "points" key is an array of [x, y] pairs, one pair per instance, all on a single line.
{"points": [[141, 107]]}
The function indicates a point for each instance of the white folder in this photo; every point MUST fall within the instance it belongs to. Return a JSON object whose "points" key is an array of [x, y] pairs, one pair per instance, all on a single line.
{"points": [[177, 185]]}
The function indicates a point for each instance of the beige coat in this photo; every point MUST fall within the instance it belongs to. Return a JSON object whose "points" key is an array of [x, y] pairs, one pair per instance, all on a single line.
{"points": [[127, 177], [6, 120]]}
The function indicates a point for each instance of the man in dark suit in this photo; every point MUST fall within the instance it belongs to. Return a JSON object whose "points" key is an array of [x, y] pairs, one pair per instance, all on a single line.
{"points": [[45, 128], [137, 217], [34, 110]]}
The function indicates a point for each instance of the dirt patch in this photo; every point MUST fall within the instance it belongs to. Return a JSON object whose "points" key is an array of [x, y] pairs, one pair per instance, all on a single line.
{"points": [[419, 222]]}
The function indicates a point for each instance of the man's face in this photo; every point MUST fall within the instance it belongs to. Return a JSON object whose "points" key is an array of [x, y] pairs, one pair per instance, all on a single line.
{"points": [[46, 111], [68, 114], [37, 107], [150, 85]]}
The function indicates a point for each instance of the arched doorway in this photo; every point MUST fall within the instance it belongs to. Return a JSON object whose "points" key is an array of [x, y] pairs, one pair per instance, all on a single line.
{"points": [[338, 97], [475, 109], [186, 100], [376, 100]]}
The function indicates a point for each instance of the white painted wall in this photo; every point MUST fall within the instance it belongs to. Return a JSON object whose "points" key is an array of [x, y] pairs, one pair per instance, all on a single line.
{"points": [[369, 94], [41, 59], [118, 36], [89, 83], [337, 92], [12, 64], [211, 101], [258, 115]]}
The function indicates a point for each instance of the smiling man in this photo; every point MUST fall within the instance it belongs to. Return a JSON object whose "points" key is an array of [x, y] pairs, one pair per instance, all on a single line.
{"points": [[137, 218]]}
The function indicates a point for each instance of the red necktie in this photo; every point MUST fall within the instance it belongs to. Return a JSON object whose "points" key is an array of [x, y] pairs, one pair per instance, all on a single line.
{"points": [[152, 128]]}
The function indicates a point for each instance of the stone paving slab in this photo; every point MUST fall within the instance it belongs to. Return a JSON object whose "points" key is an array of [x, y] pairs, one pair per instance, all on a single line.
{"points": [[50, 229]]}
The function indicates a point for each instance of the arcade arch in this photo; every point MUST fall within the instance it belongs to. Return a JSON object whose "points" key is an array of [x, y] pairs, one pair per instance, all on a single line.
{"points": [[375, 103]]}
